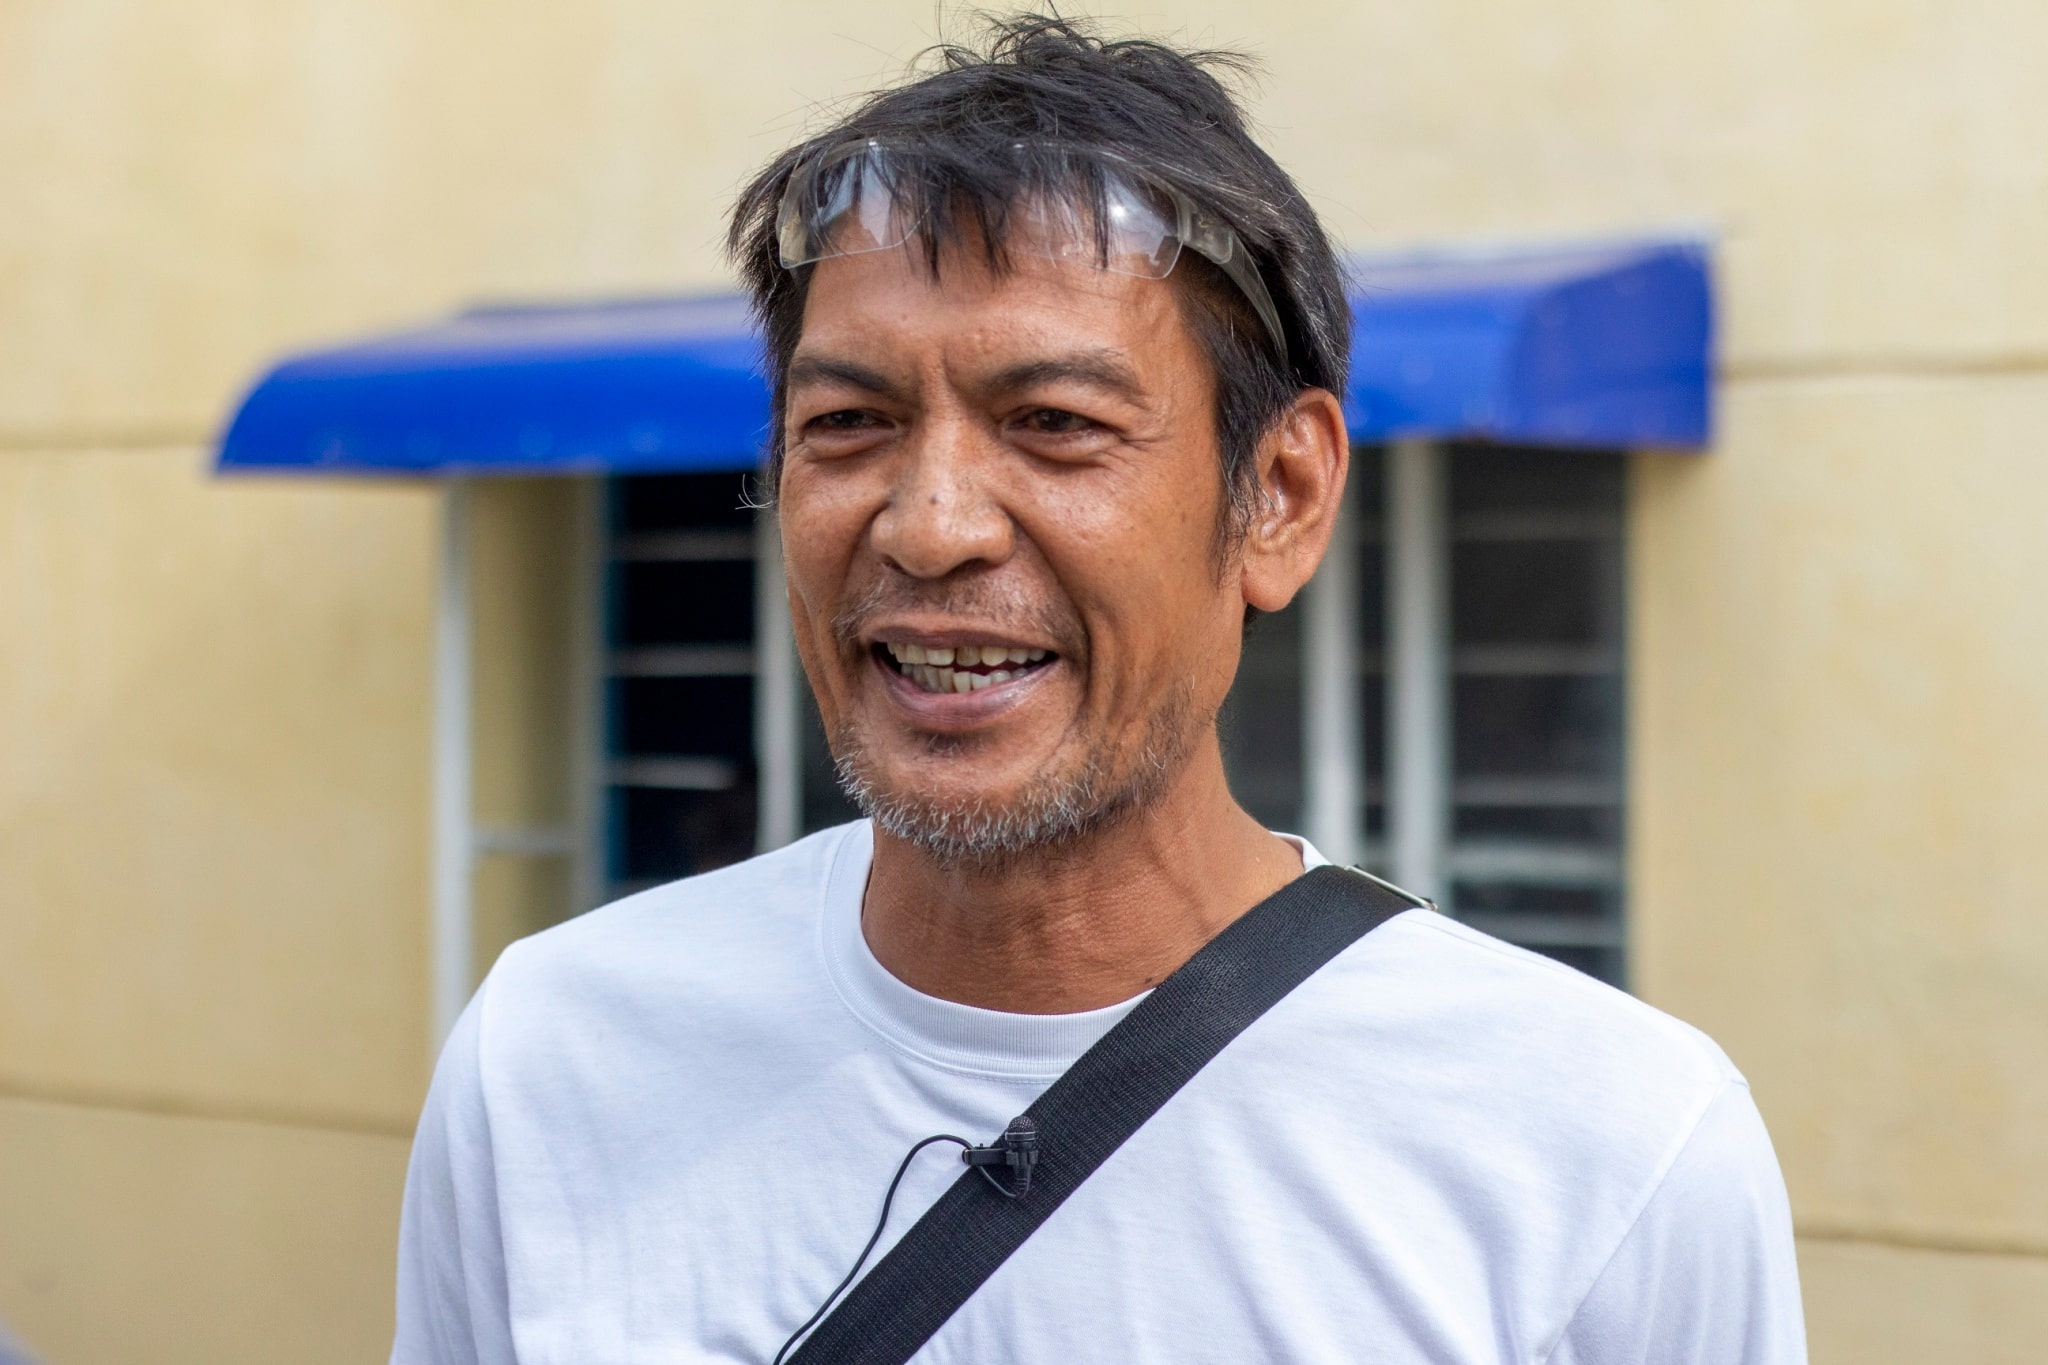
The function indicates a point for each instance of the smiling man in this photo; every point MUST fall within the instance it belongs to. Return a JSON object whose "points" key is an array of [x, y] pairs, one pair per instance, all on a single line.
{"points": [[1055, 346]]}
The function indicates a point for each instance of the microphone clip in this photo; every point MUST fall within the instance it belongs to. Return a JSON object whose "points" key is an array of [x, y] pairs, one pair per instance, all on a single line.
{"points": [[1017, 1149]]}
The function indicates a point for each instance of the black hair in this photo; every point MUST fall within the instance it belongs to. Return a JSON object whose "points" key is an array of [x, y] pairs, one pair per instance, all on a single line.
{"points": [[1045, 81]]}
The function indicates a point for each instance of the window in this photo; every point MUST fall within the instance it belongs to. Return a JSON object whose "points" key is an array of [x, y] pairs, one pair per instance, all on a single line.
{"points": [[680, 773], [1529, 739], [1517, 749], [1537, 700]]}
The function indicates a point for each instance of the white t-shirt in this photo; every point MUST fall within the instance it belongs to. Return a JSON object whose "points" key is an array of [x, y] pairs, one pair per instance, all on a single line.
{"points": [[662, 1131]]}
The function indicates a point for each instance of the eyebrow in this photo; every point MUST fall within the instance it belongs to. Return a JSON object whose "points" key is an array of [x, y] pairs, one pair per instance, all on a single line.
{"points": [[819, 369], [1102, 369]]}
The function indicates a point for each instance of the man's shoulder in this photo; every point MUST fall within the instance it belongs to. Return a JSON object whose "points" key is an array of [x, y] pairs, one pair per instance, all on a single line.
{"points": [[1499, 988], [738, 927], [1505, 1042], [1489, 1097]]}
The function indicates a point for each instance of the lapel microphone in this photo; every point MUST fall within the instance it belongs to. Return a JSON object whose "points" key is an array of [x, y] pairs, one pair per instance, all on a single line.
{"points": [[1017, 1149]]}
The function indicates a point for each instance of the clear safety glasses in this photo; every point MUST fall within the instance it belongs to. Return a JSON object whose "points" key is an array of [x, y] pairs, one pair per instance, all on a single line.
{"points": [[849, 201]]}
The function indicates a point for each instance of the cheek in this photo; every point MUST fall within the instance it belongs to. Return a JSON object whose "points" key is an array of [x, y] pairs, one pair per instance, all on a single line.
{"points": [[1139, 565], [822, 519], [821, 533]]}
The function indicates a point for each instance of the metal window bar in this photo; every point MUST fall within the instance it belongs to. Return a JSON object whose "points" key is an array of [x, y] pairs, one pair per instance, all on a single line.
{"points": [[664, 809], [1452, 808]]}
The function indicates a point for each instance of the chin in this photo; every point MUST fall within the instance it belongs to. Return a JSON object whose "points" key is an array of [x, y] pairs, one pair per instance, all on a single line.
{"points": [[991, 827], [981, 836]]}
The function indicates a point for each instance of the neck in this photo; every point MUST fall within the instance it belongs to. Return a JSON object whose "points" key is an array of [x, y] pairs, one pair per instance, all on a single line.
{"points": [[1082, 926]]}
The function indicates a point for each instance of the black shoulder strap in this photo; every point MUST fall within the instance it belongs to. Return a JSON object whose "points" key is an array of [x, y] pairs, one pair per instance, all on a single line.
{"points": [[1101, 1100]]}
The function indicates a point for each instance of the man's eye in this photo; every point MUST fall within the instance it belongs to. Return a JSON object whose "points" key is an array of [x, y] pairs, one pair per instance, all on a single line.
{"points": [[846, 419], [1055, 422]]}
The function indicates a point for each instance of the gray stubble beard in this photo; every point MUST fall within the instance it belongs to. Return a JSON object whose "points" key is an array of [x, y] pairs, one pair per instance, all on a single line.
{"points": [[1052, 819]]}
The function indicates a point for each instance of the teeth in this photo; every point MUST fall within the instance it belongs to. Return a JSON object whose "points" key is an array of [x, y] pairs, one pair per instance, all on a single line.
{"points": [[937, 669]]}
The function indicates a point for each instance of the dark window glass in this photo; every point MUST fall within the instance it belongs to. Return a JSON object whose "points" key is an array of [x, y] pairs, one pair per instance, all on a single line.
{"points": [[1591, 961], [666, 834], [1541, 723], [678, 716], [1261, 722], [1518, 481], [679, 701], [685, 603], [1528, 592], [1368, 474], [1586, 823], [673, 502], [1538, 700]]}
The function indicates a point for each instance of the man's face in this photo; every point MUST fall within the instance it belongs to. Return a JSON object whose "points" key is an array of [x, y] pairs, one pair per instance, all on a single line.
{"points": [[999, 503]]}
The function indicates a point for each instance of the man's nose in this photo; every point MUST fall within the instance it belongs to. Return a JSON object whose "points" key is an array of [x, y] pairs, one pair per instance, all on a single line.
{"points": [[942, 514]]}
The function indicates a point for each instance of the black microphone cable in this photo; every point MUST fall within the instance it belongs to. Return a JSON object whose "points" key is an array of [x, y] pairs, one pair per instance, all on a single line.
{"points": [[1017, 1149]]}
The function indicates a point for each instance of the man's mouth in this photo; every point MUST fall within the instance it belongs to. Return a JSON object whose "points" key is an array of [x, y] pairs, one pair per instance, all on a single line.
{"points": [[960, 668]]}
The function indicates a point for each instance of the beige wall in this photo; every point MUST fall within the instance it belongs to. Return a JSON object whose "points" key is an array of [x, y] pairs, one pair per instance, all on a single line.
{"points": [[213, 706], [214, 696], [1877, 1301], [177, 1240], [1842, 660]]}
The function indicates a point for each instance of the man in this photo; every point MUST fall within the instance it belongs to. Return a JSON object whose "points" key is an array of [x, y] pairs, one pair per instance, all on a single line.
{"points": [[1055, 348]]}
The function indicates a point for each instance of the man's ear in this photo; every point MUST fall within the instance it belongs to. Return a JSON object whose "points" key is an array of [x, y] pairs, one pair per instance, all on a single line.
{"points": [[1302, 462]]}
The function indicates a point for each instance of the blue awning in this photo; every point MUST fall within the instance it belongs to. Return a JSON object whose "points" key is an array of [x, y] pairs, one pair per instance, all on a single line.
{"points": [[661, 384], [1603, 346], [1594, 346]]}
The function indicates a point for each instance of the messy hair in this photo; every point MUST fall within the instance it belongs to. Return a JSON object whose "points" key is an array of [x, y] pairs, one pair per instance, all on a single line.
{"points": [[995, 124]]}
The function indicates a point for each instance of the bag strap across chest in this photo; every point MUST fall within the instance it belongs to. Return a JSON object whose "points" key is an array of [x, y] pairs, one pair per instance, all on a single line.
{"points": [[1091, 1110]]}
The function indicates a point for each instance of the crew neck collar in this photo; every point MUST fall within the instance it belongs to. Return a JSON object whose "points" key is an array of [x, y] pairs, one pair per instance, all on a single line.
{"points": [[1027, 1048]]}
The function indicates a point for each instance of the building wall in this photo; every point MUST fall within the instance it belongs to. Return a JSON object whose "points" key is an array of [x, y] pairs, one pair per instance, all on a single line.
{"points": [[1840, 649], [213, 869], [214, 743], [176, 1236]]}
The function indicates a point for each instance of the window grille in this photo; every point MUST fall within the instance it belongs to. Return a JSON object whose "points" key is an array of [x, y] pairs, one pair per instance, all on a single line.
{"points": [[680, 773], [1537, 662], [1533, 746]]}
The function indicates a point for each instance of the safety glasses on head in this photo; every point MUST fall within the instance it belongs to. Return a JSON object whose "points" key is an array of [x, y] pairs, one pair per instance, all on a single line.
{"points": [[1087, 207]]}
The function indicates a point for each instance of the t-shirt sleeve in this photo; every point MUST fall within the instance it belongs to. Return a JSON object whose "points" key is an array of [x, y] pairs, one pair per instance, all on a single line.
{"points": [[453, 1308], [1706, 1274]]}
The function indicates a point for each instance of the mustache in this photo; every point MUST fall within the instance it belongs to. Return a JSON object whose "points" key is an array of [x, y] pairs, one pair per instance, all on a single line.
{"points": [[969, 595]]}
